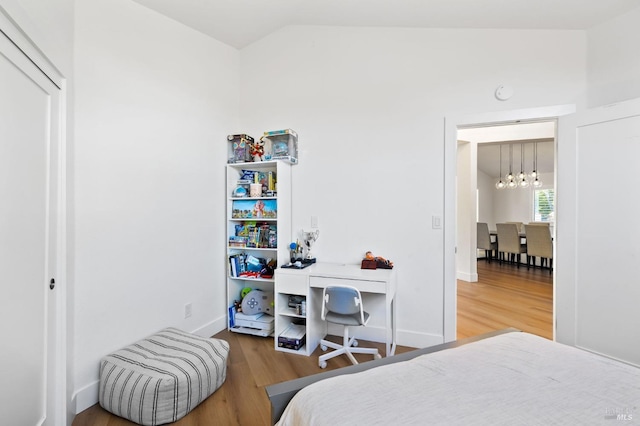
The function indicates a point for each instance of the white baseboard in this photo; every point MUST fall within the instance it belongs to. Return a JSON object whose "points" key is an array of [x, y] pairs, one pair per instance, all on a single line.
{"points": [[463, 276], [85, 397], [377, 334], [211, 328]]}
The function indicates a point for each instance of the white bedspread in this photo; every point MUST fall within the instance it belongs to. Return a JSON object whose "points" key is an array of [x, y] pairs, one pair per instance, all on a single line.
{"points": [[511, 379]]}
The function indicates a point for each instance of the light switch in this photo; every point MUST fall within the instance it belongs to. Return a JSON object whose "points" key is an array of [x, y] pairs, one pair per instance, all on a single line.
{"points": [[436, 222], [314, 221]]}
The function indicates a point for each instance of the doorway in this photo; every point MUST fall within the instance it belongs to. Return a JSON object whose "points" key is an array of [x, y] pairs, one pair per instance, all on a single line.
{"points": [[453, 125], [510, 180]]}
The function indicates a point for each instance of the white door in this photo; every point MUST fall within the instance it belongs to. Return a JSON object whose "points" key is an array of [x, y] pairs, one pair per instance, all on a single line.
{"points": [[30, 314], [597, 306]]}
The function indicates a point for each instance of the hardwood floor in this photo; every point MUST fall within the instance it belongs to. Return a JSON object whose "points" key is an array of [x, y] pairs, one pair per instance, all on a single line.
{"points": [[506, 296], [242, 400], [503, 297]]}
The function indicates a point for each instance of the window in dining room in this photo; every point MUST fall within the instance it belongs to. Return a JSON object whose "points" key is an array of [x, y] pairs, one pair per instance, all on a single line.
{"points": [[544, 205]]}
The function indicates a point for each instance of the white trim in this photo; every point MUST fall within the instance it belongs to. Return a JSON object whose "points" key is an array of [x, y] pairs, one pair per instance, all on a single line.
{"points": [[15, 33], [452, 123], [212, 328], [34, 56], [470, 278]]}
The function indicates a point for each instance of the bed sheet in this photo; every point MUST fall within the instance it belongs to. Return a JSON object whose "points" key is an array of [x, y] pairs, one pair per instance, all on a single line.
{"points": [[510, 379]]}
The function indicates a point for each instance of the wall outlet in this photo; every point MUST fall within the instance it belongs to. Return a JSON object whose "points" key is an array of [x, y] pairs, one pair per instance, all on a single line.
{"points": [[188, 310]]}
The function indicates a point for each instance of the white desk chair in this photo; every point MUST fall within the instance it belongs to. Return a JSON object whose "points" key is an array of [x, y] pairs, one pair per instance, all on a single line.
{"points": [[343, 305]]}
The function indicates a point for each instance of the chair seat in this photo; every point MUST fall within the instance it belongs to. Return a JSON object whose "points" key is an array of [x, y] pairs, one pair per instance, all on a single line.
{"points": [[348, 320]]}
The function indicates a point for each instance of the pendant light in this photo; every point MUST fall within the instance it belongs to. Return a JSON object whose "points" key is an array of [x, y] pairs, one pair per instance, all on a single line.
{"points": [[522, 176], [535, 175], [534, 172], [511, 179], [500, 184]]}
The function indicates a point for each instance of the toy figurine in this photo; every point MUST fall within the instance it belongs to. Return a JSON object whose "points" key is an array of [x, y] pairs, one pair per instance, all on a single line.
{"points": [[267, 147], [381, 262], [257, 150]]}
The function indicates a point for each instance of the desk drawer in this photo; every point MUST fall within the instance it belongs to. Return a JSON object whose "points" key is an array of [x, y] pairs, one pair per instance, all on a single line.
{"points": [[292, 284], [365, 286]]}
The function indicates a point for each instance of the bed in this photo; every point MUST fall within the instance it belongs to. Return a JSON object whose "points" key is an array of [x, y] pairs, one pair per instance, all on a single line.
{"points": [[507, 377]]}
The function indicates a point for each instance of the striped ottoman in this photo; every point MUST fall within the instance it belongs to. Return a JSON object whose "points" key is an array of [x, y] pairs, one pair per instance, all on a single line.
{"points": [[161, 378]]}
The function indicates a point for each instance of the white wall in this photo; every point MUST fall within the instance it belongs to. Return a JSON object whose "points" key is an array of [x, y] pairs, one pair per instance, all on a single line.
{"points": [[613, 62], [486, 190], [466, 211], [369, 105], [154, 103]]}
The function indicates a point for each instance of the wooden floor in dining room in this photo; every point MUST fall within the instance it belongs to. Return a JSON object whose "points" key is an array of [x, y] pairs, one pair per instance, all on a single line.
{"points": [[504, 296]]}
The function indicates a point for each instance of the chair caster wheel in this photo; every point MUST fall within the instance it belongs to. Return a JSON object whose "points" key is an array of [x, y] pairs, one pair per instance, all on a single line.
{"points": [[324, 348], [323, 364], [355, 343]]}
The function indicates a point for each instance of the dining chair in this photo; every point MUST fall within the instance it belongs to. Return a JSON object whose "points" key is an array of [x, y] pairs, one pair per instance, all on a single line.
{"points": [[520, 226], [547, 224], [509, 242], [539, 244], [484, 241], [343, 305]]}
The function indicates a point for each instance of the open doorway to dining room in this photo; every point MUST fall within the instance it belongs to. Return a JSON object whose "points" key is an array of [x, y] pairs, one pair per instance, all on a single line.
{"points": [[493, 295]]}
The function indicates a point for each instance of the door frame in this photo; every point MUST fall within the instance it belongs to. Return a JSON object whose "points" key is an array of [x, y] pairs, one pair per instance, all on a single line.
{"points": [[452, 123], [57, 391]]}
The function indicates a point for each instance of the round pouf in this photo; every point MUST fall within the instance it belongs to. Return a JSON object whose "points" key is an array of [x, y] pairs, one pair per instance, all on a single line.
{"points": [[162, 378]]}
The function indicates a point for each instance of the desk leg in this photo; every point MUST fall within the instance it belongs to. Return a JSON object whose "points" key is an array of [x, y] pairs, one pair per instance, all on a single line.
{"points": [[391, 326]]}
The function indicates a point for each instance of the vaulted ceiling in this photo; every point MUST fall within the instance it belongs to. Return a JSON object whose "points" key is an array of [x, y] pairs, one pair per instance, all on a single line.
{"points": [[239, 23]]}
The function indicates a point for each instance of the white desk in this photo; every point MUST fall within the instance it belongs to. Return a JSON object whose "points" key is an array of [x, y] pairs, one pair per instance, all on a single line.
{"points": [[320, 275]]}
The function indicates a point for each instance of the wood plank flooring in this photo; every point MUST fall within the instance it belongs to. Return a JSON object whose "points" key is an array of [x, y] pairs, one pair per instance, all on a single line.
{"points": [[506, 296], [241, 400], [503, 297]]}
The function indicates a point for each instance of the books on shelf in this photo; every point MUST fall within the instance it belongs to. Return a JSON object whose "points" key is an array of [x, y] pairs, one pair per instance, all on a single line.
{"points": [[254, 209], [252, 235]]}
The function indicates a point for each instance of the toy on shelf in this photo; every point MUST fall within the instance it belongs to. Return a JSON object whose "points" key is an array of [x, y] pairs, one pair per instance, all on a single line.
{"points": [[239, 148], [284, 145], [257, 150], [373, 262]]}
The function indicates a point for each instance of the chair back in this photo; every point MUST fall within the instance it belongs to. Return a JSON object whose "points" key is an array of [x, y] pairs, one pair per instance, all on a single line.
{"points": [[483, 236], [539, 241], [547, 224], [344, 301], [520, 226], [508, 238]]}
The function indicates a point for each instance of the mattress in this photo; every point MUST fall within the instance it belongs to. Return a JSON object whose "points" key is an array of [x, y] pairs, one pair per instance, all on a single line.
{"points": [[514, 378]]}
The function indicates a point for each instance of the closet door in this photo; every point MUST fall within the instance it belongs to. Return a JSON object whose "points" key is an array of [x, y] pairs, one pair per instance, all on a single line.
{"points": [[30, 313], [597, 291]]}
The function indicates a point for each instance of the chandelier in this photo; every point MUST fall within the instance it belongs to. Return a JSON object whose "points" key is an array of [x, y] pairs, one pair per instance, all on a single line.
{"points": [[522, 179]]}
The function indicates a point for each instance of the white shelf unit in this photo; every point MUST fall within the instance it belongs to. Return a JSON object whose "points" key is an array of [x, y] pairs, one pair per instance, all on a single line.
{"points": [[293, 282], [282, 222]]}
